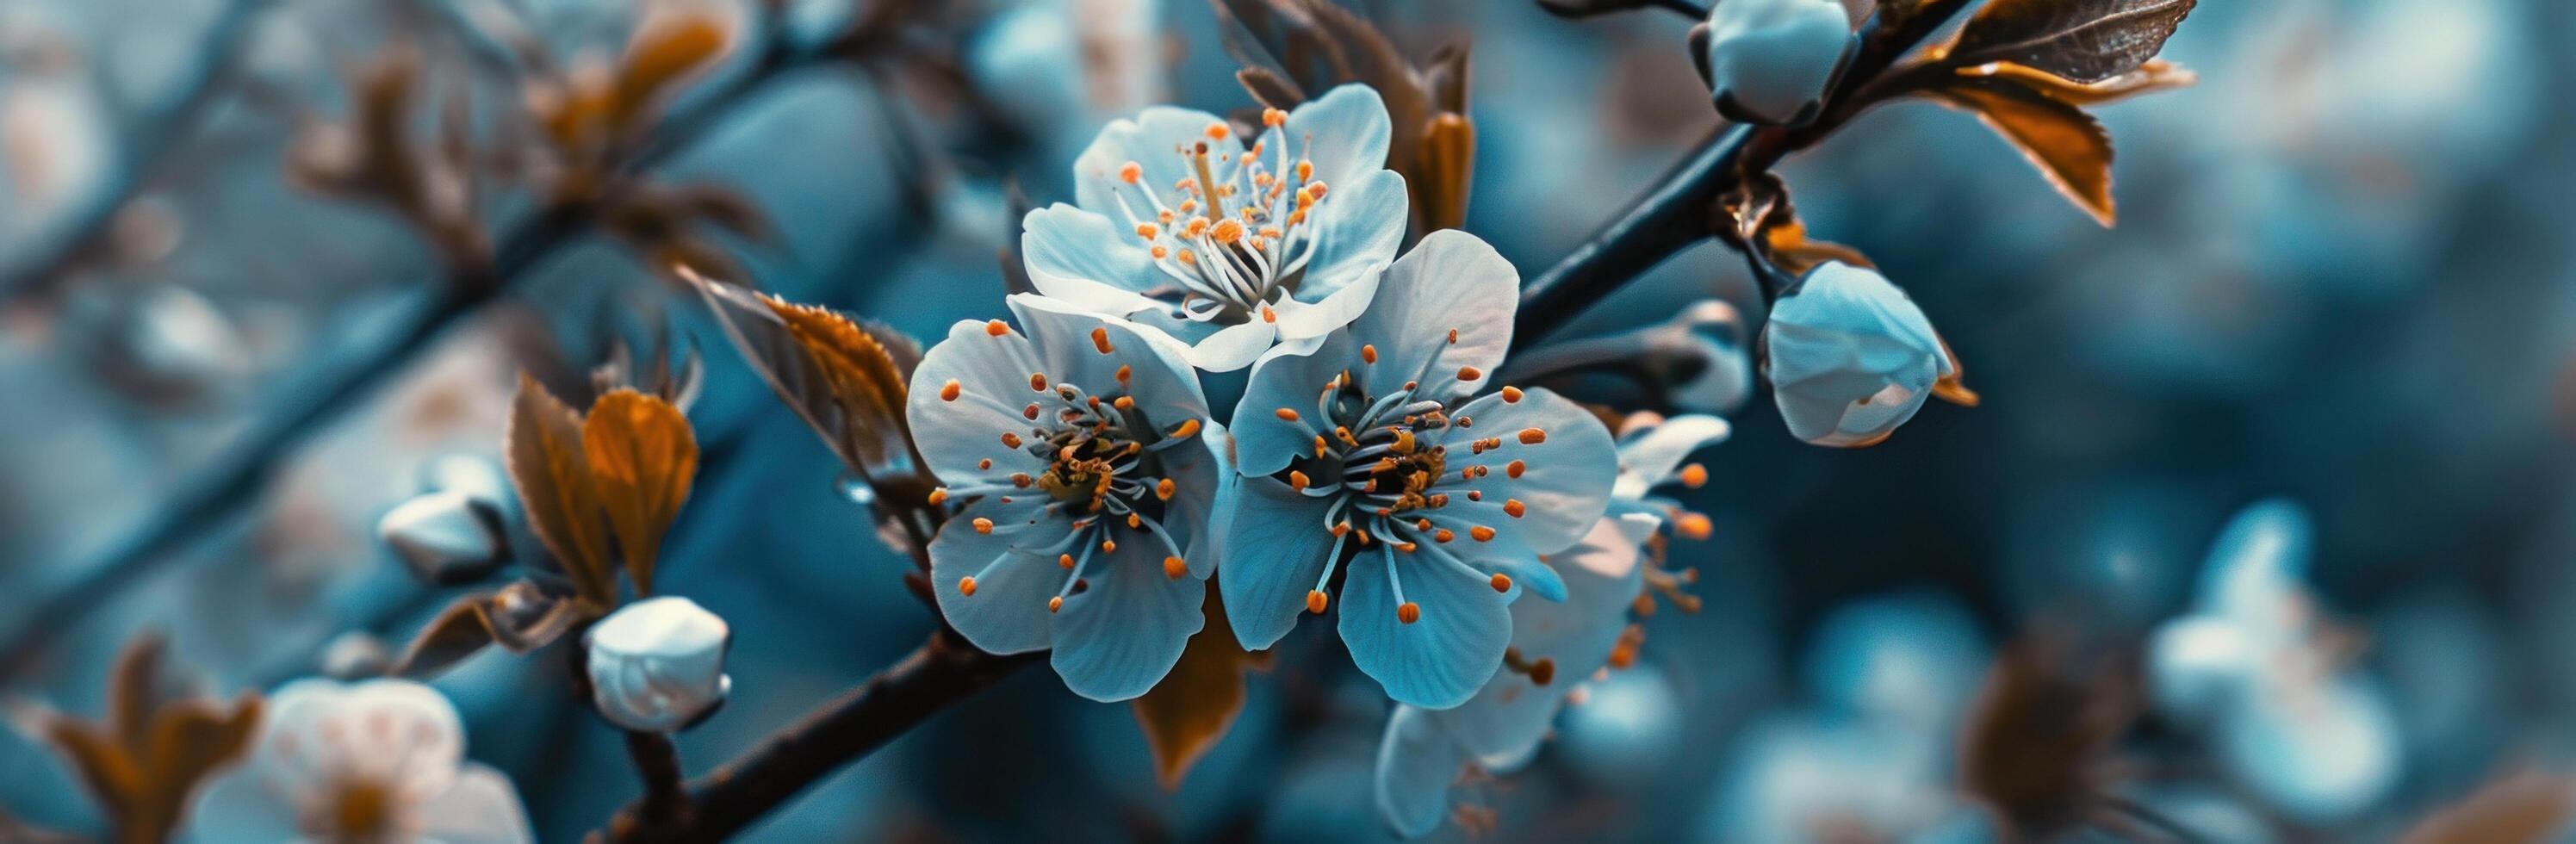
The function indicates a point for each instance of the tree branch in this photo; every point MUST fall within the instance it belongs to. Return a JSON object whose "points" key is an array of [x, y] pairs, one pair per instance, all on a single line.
{"points": [[147, 149], [241, 477], [940, 673], [1677, 213]]}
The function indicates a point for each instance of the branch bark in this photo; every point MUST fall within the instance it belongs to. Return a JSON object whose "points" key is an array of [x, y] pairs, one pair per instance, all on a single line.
{"points": [[942, 672], [212, 497]]}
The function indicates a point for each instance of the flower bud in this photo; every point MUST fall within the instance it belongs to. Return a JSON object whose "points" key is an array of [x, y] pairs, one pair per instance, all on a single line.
{"points": [[1771, 61], [446, 538], [1850, 357], [658, 665]]}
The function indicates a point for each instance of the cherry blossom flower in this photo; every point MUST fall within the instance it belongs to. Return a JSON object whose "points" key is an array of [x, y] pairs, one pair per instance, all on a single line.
{"points": [[375, 761], [1181, 227], [1374, 457], [1089, 466]]}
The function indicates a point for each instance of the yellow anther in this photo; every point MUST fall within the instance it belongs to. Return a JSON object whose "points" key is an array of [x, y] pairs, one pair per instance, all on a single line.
{"points": [[1130, 172], [1173, 568], [1273, 118], [966, 586], [996, 327], [1501, 582], [1285, 414], [1694, 475], [1514, 508], [950, 390], [1408, 612], [1164, 488], [1217, 131], [1468, 373], [939, 496], [983, 525], [1010, 440], [1055, 604], [1100, 340], [1064, 561], [1511, 395], [1533, 436], [1227, 231], [1315, 601], [1481, 533], [1037, 381]]}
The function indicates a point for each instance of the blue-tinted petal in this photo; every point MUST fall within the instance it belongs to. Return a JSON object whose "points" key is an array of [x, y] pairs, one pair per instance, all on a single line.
{"points": [[1284, 379], [1203, 503], [1344, 132], [1566, 475], [1085, 259], [1416, 763], [1163, 385], [1451, 280], [1647, 458], [1275, 549], [1448, 652], [1014, 569], [1508, 718], [1315, 315], [992, 375], [2258, 561], [1357, 229], [1117, 638], [1153, 141]]}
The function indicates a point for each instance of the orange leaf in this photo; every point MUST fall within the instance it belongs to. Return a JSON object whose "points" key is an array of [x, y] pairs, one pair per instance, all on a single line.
{"points": [[1193, 706], [862, 377], [543, 452], [2087, 40], [2067, 145], [642, 457], [670, 45], [2156, 75]]}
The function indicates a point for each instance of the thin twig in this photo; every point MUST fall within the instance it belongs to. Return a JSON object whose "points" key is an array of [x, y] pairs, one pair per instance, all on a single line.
{"points": [[240, 478], [146, 151], [1677, 213], [939, 674]]}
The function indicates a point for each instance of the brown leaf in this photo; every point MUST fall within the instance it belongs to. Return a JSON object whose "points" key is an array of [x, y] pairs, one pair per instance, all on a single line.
{"points": [[1794, 254], [2083, 40], [1269, 88], [1185, 714], [147, 757], [2040, 735], [543, 452], [2526, 808], [670, 45], [1281, 35], [642, 458], [519, 617], [844, 379], [2067, 145], [1953, 388], [2156, 75]]}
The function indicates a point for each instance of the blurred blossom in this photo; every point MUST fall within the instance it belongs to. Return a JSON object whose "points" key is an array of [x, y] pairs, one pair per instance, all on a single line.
{"points": [[657, 665], [1063, 67], [1228, 248], [379, 760], [2271, 682], [1771, 61], [1366, 444], [1870, 757], [55, 141], [1089, 467], [1851, 357]]}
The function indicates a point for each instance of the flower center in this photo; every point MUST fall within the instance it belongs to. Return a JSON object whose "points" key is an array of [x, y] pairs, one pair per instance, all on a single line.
{"points": [[1377, 458], [1103, 472], [1233, 236], [361, 810]]}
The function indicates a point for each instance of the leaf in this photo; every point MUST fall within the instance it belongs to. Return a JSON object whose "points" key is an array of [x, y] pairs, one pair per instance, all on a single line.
{"points": [[2083, 40], [145, 759], [2528, 807], [669, 46], [1185, 714], [845, 379], [642, 458], [2041, 730], [542, 451], [2068, 146], [519, 617], [2156, 75]]}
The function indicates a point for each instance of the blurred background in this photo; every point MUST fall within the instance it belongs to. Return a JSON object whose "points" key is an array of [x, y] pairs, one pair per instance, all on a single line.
{"points": [[2340, 283]]}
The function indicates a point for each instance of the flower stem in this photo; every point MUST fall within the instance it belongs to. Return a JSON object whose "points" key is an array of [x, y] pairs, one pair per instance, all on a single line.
{"points": [[658, 762], [942, 672], [1679, 212]]}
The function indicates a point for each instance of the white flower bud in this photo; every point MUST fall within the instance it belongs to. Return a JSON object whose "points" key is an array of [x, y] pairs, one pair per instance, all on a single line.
{"points": [[445, 537], [1771, 61], [658, 664], [1851, 358]]}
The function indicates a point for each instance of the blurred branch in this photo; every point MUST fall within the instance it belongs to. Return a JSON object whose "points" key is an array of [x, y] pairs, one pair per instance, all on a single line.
{"points": [[213, 496], [1676, 214], [942, 672], [147, 148]]}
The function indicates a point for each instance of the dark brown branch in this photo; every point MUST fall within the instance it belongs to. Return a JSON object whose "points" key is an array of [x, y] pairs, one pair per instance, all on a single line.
{"points": [[941, 673], [240, 478], [657, 761], [1676, 214]]}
